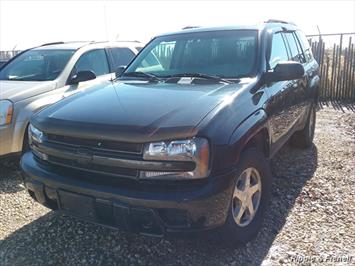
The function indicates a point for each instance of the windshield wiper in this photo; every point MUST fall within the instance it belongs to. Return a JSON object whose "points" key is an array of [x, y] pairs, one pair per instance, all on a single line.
{"points": [[140, 74], [200, 75]]}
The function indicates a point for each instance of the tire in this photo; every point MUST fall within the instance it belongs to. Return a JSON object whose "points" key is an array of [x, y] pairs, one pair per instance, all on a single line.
{"points": [[232, 232], [304, 138]]}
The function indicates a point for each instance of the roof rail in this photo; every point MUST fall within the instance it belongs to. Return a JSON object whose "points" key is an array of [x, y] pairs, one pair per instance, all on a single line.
{"points": [[51, 43], [279, 21], [94, 42], [190, 27], [135, 41]]}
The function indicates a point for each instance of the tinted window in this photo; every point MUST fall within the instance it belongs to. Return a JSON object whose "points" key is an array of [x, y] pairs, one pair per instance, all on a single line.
{"points": [[296, 52], [94, 61], [37, 65], [121, 56], [305, 45], [278, 50], [223, 53], [301, 55], [159, 58]]}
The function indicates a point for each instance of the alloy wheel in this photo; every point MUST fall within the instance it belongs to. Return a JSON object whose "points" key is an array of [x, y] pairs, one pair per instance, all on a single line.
{"points": [[246, 196]]}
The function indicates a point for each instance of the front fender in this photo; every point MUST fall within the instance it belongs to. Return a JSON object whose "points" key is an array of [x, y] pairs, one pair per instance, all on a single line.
{"points": [[247, 130], [26, 109], [23, 112]]}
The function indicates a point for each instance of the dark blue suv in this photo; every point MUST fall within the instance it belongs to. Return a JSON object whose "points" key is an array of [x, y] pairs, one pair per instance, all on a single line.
{"points": [[180, 141]]}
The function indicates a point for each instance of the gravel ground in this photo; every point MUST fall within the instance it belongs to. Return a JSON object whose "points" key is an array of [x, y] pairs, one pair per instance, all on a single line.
{"points": [[311, 216]]}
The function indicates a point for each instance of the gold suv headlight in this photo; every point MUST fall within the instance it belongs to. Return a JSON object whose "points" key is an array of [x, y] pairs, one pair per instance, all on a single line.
{"points": [[190, 150]]}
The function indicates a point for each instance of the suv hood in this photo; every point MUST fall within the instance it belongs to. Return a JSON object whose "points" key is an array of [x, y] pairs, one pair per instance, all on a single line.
{"points": [[134, 112], [20, 90]]}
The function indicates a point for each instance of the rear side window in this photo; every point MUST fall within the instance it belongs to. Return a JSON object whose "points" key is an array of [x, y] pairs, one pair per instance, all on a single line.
{"points": [[121, 56], [305, 46], [278, 50], [95, 61], [295, 51]]}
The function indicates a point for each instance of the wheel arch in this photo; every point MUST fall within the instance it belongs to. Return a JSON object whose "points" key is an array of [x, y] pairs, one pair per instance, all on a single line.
{"points": [[260, 141], [252, 132]]}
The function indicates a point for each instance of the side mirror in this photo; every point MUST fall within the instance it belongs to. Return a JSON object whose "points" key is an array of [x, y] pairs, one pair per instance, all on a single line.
{"points": [[285, 71], [119, 71], [82, 76]]}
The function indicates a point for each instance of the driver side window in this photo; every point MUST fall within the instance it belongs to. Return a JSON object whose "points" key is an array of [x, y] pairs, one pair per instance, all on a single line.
{"points": [[95, 61], [278, 50]]}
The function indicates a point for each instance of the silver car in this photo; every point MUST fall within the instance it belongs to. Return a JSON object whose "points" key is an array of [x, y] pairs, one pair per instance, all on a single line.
{"points": [[43, 75]]}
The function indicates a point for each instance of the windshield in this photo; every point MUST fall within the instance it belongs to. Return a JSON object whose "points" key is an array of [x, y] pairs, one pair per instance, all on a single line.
{"points": [[36, 65], [228, 54]]}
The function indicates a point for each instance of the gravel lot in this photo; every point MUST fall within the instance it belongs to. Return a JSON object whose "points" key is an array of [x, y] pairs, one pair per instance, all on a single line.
{"points": [[311, 214]]}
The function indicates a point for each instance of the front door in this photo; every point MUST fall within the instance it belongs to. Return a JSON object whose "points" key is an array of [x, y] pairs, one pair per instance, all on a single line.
{"points": [[95, 61], [281, 95]]}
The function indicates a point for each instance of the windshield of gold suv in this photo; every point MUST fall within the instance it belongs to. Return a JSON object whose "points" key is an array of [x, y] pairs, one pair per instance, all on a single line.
{"points": [[36, 65]]}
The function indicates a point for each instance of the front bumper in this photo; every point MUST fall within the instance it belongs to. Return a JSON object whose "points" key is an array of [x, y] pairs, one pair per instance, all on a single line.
{"points": [[182, 208]]}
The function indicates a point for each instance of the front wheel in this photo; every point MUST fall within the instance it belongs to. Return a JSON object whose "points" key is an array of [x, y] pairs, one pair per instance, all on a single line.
{"points": [[250, 198]]}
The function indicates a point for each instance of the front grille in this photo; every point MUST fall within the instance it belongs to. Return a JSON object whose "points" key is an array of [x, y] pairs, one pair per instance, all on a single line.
{"points": [[95, 161], [76, 153], [109, 145], [110, 170]]}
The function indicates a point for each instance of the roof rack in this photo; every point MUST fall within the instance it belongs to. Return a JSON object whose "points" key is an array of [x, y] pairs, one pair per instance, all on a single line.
{"points": [[279, 21], [136, 41], [94, 42], [51, 43], [190, 27]]}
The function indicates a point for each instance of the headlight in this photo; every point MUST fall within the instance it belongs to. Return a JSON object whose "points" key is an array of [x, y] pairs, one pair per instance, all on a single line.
{"points": [[191, 150], [34, 135], [6, 111]]}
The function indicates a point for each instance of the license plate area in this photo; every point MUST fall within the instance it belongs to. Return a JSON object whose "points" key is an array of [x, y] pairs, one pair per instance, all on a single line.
{"points": [[76, 204]]}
